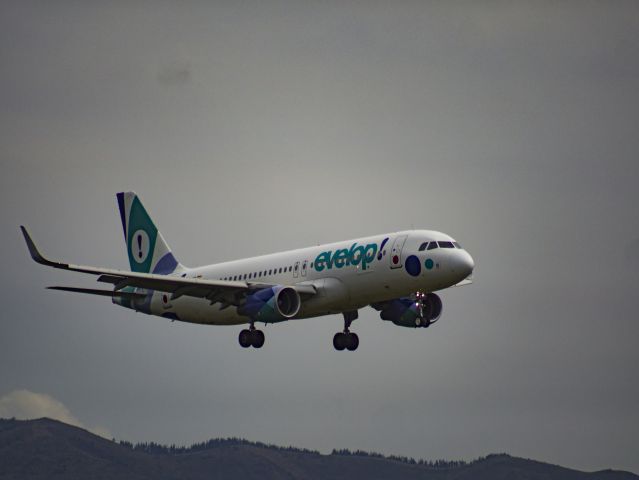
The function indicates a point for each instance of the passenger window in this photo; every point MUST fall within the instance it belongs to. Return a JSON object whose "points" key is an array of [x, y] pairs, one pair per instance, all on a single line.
{"points": [[446, 244], [423, 246], [432, 245]]}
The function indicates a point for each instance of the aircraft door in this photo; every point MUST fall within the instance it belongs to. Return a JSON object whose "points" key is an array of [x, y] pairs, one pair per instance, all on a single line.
{"points": [[296, 269], [304, 265], [396, 251]]}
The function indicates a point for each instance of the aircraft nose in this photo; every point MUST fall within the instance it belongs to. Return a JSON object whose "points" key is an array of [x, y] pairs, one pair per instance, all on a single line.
{"points": [[465, 263], [468, 263]]}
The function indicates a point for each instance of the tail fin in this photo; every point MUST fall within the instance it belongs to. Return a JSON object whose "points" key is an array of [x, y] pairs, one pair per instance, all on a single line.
{"points": [[147, 249]]}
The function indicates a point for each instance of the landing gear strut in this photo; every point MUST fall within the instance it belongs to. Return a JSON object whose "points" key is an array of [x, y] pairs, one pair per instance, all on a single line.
{"points": [[347, 340], [251, 337]]}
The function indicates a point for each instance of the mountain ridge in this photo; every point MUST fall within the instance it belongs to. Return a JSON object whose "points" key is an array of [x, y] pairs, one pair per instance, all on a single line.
{"points": [[46, 448]]}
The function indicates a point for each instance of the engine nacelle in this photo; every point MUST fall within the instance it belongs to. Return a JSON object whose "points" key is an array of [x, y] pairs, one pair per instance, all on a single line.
{"points": [[408, 312], [272, 304]]}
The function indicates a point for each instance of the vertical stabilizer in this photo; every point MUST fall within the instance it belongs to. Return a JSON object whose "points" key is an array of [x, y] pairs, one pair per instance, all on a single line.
{"points": [[148, 251]]}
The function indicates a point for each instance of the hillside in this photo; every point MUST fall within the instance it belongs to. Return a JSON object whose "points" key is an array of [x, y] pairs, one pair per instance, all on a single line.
{"points": [[44, 448]]}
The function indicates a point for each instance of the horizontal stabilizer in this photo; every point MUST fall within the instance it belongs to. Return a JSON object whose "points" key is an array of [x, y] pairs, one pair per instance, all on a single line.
{"points": [[104, 293]]}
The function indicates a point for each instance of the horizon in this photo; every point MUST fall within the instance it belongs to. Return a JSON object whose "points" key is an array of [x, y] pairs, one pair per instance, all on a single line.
{"points": [[152, 447]]}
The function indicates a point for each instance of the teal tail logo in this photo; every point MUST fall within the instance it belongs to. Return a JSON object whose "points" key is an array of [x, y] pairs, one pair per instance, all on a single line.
{"points": [[147, 250]]}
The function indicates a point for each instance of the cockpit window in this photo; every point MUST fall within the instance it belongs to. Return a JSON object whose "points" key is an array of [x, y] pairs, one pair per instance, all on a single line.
{"points": [[432, 245], [446, 245], [423, 246], [457, 244]]}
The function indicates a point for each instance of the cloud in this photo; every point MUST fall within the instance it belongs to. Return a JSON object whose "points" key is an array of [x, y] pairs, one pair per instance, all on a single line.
{"points": [[174, 74], [24, 405]]}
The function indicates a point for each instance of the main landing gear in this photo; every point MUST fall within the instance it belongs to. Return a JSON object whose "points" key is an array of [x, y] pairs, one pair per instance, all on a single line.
{"points": [[347, 340], [251, 337]]}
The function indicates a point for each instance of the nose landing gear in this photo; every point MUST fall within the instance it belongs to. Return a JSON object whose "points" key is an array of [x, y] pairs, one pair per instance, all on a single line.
{"points": [[346, 339], [429, 308], [251, 337]]}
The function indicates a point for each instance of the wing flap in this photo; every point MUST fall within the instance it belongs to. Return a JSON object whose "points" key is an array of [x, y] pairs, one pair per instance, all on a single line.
{"points": [[103, 293]]}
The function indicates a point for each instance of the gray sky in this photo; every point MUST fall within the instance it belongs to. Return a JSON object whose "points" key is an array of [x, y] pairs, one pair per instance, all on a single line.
{"points": [[253, 127]]}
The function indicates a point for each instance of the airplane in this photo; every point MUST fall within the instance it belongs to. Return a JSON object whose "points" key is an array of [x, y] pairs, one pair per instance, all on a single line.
{"points": [[395, 273]]}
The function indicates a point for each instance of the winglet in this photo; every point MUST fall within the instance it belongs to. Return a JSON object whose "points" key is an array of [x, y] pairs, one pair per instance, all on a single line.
{"points": [[33, 250]]}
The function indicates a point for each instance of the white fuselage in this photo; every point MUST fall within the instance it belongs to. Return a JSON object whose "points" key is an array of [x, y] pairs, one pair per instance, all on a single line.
{"points": [[347, 276]]}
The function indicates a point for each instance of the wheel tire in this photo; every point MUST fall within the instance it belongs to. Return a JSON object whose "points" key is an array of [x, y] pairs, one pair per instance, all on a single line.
{"points": [[245, 338], [257, 338], [353, 342], [339, 341]]}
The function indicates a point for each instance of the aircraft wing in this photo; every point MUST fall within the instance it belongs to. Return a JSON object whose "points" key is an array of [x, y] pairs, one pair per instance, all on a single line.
{"points": [[227, 292]]}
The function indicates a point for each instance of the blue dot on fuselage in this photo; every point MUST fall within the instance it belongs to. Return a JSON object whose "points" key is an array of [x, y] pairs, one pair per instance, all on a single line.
{"points": [[413, 265], [428, 263]]}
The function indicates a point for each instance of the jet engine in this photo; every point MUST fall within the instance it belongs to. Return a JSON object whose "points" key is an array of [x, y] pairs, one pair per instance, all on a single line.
{"points": [[272, 304], [420, 310]]}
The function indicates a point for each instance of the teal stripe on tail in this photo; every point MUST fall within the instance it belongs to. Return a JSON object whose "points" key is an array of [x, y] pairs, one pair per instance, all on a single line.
{"points": [[148, 251]]}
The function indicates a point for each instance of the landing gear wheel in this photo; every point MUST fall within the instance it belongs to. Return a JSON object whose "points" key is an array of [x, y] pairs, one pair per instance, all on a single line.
{"points": [[347, 339], [245, 338], [352, 341], [257, 337], [339, 341]]}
